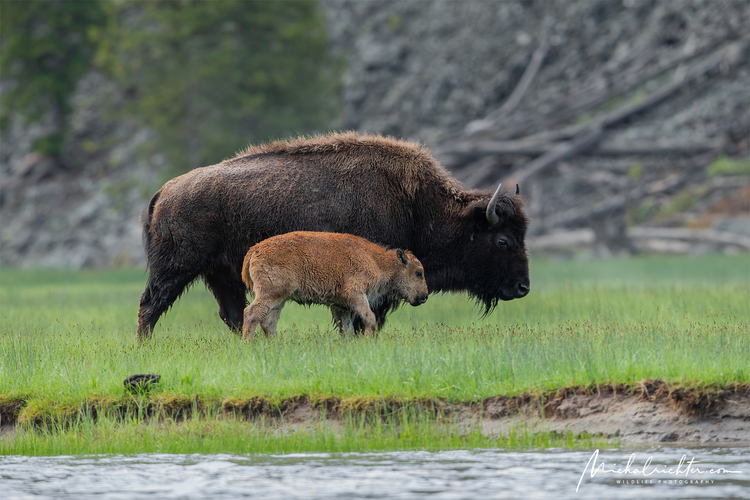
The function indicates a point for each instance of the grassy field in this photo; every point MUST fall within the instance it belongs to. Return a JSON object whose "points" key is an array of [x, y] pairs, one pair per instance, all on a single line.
{"points": [[69, 337]]}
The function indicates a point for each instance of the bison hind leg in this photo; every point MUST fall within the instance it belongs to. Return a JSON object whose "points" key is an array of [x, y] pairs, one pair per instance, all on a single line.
{"points": [[230, 294]]}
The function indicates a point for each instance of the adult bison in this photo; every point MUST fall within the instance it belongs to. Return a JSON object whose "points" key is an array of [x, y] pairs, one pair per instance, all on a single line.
{"points": [[390, 192]]}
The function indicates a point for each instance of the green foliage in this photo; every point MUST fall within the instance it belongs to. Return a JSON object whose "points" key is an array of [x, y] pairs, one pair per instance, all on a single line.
{"points": [[642, 212], [725, 165], [211, 77], [46, 48], [208, 77], [636, 171], [683, 200]]}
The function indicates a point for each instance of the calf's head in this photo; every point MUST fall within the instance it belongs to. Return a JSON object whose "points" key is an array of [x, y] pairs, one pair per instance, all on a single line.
{"points": [[410, 280]]}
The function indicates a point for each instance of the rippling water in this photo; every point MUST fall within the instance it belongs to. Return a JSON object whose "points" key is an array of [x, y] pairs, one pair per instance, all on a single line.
{"points": [[440, 475]]}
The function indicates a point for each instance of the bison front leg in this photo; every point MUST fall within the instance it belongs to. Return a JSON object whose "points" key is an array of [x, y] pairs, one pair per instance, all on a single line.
{"points": [[361, 306], [343, 319], [161, 291]]}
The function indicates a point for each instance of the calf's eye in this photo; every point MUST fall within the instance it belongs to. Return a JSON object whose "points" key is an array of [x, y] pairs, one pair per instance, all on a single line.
{"points": [[419, 274]]}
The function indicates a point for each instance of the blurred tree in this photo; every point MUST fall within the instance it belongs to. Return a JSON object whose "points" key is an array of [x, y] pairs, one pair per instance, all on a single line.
{"points": [[211, 77], [46, 47]]}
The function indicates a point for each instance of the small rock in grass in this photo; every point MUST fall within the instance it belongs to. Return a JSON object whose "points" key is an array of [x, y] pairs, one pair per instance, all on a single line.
{"points": [[141, 382]]}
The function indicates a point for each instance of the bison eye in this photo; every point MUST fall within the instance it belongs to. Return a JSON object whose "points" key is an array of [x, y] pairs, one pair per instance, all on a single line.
{"points": [[502, 242], [419, 274]]}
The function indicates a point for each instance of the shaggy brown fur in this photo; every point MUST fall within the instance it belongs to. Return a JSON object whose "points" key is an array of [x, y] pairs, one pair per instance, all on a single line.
{"points": [[390, 192], [338, 270]]}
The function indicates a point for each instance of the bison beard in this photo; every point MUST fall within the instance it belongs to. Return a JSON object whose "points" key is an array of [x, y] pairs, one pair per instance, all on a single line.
{"points": [[391, 192]]}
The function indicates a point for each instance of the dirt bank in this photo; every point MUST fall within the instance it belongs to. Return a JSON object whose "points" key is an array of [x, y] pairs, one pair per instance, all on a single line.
{"points": [[649, 412]]}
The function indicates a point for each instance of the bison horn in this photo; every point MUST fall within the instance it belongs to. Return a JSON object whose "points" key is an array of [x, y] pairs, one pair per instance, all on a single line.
{"points": [[518, 190], [492, 217]]}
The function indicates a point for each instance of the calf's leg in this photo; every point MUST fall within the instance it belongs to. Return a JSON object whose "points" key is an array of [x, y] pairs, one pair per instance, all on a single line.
{"points": [[272, 318], [380, 310], [258, 313], [360, 305]]}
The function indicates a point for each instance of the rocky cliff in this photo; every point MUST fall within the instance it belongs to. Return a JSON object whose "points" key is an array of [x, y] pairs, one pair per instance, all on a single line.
{"points": [[444, 72]]}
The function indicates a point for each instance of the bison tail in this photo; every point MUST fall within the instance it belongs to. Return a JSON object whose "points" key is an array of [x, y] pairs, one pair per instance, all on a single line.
{"points": [[146, 215], [246, 272]]}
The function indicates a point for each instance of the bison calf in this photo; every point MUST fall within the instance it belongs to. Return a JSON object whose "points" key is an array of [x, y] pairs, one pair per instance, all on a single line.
{"points": [[345, 272]]}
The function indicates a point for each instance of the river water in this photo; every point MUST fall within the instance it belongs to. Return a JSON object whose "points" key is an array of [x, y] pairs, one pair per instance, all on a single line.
{"points": [[458, 474]]}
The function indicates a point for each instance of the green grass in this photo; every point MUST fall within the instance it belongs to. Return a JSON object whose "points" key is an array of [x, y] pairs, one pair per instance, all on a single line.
{"points": [[68, 337], [216, 435]]}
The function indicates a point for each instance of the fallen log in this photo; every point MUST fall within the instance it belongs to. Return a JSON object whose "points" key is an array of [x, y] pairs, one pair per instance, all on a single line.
{"points": [[644, 67], [532, 147], [523, 85], [582, 141], [562, 240], [720, 60], [577, 216], [666, 239], [693, 235]]}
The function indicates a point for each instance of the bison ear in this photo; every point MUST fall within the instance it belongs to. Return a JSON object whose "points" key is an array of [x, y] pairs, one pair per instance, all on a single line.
{"points": [[402, 256]]}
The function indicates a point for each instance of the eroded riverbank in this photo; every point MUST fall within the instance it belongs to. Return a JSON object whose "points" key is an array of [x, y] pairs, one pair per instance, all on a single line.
{"points": [[649, 412]]}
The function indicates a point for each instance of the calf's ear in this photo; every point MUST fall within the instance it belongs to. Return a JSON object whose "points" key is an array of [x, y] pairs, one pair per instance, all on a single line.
{"points": [[402, 256]]}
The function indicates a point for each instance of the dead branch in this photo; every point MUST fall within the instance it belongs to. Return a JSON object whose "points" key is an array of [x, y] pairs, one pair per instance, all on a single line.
{"points": [[695, 235], [614, 203], [663, 146], [642, 70], [478, 171], [582, 141], [523, 85], [533, 147], [644, 237], [562, 239], [720, 60], [459, 151]]}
